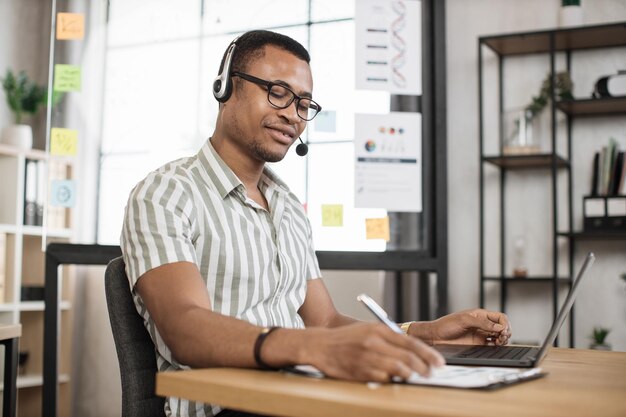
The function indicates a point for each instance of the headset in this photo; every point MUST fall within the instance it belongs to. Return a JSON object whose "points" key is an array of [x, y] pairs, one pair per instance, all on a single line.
{"points": [[223, 88]]}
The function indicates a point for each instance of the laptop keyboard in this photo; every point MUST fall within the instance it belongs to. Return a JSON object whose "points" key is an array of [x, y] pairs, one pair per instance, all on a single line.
{"points": [[494, 352]]}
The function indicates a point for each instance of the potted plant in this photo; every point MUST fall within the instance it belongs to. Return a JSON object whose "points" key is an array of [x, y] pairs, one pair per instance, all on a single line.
{"points": [[23, 97], [520, 138], [598, 338]]}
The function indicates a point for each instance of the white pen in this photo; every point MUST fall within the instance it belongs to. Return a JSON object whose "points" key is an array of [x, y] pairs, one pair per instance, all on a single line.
{"points": [[379, 312]]}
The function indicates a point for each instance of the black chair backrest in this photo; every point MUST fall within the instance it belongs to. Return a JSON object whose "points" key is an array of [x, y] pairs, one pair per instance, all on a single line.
{"points": [[135, 350]]}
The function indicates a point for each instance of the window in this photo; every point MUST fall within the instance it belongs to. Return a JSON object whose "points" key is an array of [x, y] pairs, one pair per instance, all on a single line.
{"points": [[161, 60]]}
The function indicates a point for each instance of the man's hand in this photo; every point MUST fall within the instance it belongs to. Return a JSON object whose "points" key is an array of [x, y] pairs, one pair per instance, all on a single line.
{"points": [[477, 327], [370, 352]]}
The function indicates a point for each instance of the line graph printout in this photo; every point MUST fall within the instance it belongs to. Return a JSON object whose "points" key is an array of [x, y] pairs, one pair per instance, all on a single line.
{"points": [[388, 44]]}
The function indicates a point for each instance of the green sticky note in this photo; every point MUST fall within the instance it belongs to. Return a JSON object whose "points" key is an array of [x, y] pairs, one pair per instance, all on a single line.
{"points": [[66, 77], [332, 215]]}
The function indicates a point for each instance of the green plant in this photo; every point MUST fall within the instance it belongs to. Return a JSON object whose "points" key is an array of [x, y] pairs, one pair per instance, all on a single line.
{"points": [[23, 95], [599, 335], [563, 86], [623, 276], [570, 3]]}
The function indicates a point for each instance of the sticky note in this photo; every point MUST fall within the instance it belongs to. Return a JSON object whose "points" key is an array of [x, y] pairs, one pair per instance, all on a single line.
{"points": [[70, 26], [377, 228], [63, 141], [332, 215], [63, 193], [66, 77]]}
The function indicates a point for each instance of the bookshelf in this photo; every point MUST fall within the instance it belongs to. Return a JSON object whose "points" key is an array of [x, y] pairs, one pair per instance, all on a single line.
{"points": [[557, 47], [22, 266]]}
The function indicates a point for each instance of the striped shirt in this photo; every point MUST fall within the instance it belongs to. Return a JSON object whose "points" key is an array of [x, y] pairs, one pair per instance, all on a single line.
{"points": [[255, 263]]}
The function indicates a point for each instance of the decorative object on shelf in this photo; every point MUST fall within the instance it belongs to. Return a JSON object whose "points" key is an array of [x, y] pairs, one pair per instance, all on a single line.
{"points": [[610, 85], [520, 139], [520, 265], [571, 13], [598, 338], [23, 96], [22, 360]]}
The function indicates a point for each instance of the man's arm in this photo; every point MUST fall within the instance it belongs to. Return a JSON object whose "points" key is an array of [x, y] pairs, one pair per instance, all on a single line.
{"points": [[179, 304], [476, 326], [318, 309]]}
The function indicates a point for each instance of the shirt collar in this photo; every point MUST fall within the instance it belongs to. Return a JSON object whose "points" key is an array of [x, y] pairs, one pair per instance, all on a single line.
{"points": [[224, 178]]}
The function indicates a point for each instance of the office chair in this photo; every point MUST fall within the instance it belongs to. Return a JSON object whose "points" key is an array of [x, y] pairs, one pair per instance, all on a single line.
{"points": [[135, 350]]}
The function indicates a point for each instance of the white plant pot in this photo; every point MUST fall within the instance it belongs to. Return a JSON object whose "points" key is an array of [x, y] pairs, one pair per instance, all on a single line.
{"points": [[20, 136], [570, 16]]}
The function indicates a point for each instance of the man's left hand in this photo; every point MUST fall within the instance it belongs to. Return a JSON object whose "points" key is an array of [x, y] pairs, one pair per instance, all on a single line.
{"points": [[476, 327]]}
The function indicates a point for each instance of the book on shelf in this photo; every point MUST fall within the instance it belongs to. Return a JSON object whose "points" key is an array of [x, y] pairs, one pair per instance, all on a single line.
{"points": [[609, 169], [30, 193]]}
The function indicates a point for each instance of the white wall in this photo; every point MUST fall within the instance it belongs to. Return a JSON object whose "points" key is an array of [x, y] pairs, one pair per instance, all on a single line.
{"points": [[603, 301], [24, 46]]}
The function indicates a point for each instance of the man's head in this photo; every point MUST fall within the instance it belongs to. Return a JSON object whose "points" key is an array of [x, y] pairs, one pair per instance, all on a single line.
{"points": [[269, 97], [245, 49]]}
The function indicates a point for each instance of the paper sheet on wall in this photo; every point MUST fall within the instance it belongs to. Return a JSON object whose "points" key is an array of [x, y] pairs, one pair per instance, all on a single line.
{"points": [[66, 77], [70, 26], [332, 215], [63, 193], [63, 142], [377, 229], [388, 42], [388, 165]]}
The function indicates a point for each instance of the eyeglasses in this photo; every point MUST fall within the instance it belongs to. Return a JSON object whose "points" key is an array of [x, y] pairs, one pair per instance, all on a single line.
{"points": [[281, 97]]}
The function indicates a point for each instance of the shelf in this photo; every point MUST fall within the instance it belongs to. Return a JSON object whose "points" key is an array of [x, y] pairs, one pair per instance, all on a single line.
{"points": [[31, 381], [38, 231], [582, 37], [527, 280], [9, 150], [593, 106], [7, 307], [526, 161], [594, 235], [40, 306], [8, 228]]}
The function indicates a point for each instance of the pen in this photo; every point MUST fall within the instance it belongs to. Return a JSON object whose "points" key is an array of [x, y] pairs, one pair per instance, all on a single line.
{"points": [[379, 312]]}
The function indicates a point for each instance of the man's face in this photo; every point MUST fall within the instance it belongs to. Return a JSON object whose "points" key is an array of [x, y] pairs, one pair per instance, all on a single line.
{"points": [[257, 128]]}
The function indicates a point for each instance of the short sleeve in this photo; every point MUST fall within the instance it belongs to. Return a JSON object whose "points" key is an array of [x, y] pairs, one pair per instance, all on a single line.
{"points": [[158, 225], [312, 264]]}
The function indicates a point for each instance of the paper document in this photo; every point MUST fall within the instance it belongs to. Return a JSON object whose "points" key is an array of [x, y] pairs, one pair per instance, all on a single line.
{"points": [[453, 376], [474, 377]]}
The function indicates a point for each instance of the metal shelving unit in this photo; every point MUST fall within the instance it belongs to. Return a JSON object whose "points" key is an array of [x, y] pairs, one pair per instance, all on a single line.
{"points": [[550, 42]]}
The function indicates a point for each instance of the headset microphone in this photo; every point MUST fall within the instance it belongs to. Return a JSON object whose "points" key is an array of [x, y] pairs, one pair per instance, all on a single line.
{"points": [[302, 149]]}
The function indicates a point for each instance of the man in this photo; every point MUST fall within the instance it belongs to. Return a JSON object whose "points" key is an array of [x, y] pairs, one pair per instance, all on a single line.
{"points": [[219, 252]]}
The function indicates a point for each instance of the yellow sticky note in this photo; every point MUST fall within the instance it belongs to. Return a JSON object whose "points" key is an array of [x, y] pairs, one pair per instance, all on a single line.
{"points": [[332, 215], [70, 26], [377, 228], [66, 77], [63, 141]]}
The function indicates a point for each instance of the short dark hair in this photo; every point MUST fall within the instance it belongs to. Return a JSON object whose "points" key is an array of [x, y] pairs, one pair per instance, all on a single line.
{"points": [[249, 47]]}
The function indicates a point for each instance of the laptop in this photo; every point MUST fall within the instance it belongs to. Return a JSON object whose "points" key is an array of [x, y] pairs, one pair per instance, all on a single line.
{"points": [[514, 356]]}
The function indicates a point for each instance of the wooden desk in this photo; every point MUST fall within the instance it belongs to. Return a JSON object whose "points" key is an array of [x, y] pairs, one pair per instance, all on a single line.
{"points": [[9, 336], [580, 383]]}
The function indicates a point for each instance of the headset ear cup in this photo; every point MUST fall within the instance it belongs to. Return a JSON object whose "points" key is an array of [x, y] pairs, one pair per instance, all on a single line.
{"points": [[222, 94]]}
